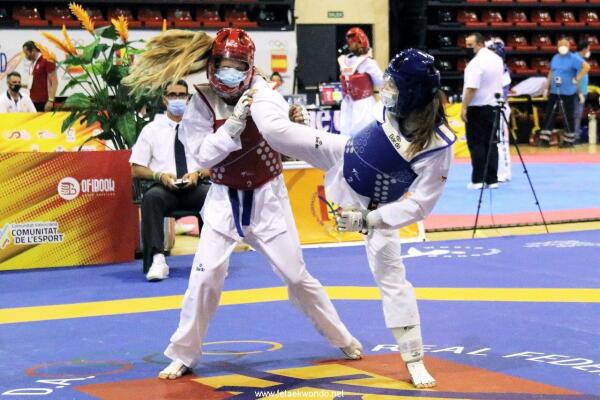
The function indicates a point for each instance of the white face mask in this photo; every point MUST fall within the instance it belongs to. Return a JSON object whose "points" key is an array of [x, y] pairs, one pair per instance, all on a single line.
{"points": [[563, 50], [389, 94]]}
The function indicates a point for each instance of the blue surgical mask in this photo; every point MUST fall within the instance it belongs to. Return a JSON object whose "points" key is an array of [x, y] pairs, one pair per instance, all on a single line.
{"points": [[177, 106], [230, 77]]}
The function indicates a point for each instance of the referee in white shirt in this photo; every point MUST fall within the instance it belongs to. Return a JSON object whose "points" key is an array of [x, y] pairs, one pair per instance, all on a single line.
{"points": [[483, 79], [13, 100], [160, 156]]}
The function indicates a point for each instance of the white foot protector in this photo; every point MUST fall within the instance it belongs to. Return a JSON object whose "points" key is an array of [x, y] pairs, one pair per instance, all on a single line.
{"points": [[175, 370], [353, 351], [420, 377]]}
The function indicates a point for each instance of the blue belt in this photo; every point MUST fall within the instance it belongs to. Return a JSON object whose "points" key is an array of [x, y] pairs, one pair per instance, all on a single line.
{"points": [[247, 200]]}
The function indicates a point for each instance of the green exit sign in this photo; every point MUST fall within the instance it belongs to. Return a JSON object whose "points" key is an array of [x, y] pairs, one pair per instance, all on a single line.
{"points": [[335, 14]]}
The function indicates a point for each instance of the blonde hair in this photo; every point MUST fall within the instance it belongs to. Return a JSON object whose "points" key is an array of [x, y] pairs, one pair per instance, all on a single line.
{"points": [[420, 123], [169, 56]]}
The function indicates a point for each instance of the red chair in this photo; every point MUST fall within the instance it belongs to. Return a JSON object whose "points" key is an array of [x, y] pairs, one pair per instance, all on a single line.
{"points": [[543, 19], [461, 41], [575, 1], [542, 42], [210, 18], [28, 16], [182, 18], [590, 18], [59, 16], [567, 18], [96, 16], [527, 1], [542, 65], [519, 66], [519, 18], [594, 67], [461, 64], [239, 19], [150, 17], [494, 18], [519, 42], [469, 18], [115, 12], [551, 1], [592, 40]]}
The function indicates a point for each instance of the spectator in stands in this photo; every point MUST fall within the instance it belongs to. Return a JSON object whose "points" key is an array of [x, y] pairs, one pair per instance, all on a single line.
{"points": [[159, 156], [277, 81], [584, 52], [13, 100], [564, 83], [483, 81], [44, 81]]}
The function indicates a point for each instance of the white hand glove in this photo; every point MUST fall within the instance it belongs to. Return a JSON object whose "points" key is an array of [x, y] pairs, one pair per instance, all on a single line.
{"points": [[581, 98], [242, 107], [299, 114], [235, 125], [353, 221]]}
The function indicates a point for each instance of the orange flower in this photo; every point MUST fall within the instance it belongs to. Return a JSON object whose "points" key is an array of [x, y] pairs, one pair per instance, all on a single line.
{"points": [[120, 25], [164, 27], [68, 42], [55, 41], [47, 54], [82, 16]]}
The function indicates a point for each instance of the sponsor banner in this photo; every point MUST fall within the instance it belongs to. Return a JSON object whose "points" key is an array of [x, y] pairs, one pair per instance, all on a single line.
{"points": [[275, 51], [58, 210], [314, 213], [41, 132]]}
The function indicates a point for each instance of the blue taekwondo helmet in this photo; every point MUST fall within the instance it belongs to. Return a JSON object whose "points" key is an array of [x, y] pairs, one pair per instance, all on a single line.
{"points": [[416, 79], [497, 46]]}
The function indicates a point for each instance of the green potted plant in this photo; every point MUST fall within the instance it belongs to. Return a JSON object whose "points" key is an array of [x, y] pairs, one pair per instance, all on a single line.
{"points": [[100, 96]]}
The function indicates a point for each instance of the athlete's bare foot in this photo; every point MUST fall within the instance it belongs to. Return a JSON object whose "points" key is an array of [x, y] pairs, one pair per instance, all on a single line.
{"points": [[353, 351], [175, 370], [419, 375]]}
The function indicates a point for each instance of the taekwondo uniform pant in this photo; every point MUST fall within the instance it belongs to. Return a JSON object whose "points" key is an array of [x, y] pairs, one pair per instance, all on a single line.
{"points": [[382, 245], [208, 274], [356, 114], [504, 167]]}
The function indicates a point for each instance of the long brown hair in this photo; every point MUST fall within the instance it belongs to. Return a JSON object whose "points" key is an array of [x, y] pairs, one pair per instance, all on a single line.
{"points": [[169, 56], [420, 123]]}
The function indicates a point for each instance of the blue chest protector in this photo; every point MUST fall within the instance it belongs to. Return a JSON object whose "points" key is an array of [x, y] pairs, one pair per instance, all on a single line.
{"points": [[374, 168]]}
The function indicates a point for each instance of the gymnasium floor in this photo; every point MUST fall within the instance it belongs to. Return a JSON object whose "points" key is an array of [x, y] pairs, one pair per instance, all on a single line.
{"points": [[509, 315]]}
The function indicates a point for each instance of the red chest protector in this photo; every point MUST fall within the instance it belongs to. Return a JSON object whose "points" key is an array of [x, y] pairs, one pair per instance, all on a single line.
{"points": [[357, 86], [255, 164]]}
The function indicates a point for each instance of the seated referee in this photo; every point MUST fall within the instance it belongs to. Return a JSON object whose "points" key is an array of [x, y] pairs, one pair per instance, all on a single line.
{"points": [[158, 155]]}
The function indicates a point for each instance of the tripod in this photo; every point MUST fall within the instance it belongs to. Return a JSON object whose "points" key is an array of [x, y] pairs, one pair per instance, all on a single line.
{"points": [[545, 135], [500, 117]]}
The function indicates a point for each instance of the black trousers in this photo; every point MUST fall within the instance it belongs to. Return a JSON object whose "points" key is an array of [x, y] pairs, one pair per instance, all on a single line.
{"points": [[39, 106], [480, 122], [156, 203], [552, 108]]}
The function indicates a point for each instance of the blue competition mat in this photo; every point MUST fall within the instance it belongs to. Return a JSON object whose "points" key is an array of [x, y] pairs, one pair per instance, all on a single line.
{"points": [[495, 344]]}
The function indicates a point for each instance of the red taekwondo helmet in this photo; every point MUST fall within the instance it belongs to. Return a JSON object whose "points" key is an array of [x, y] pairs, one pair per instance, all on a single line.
{"points": [[357, 35], [235, 44]]}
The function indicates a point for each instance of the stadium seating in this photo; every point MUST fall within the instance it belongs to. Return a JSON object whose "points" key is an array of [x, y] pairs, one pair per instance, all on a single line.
{"points": [[182, 18], [28, 16]]}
